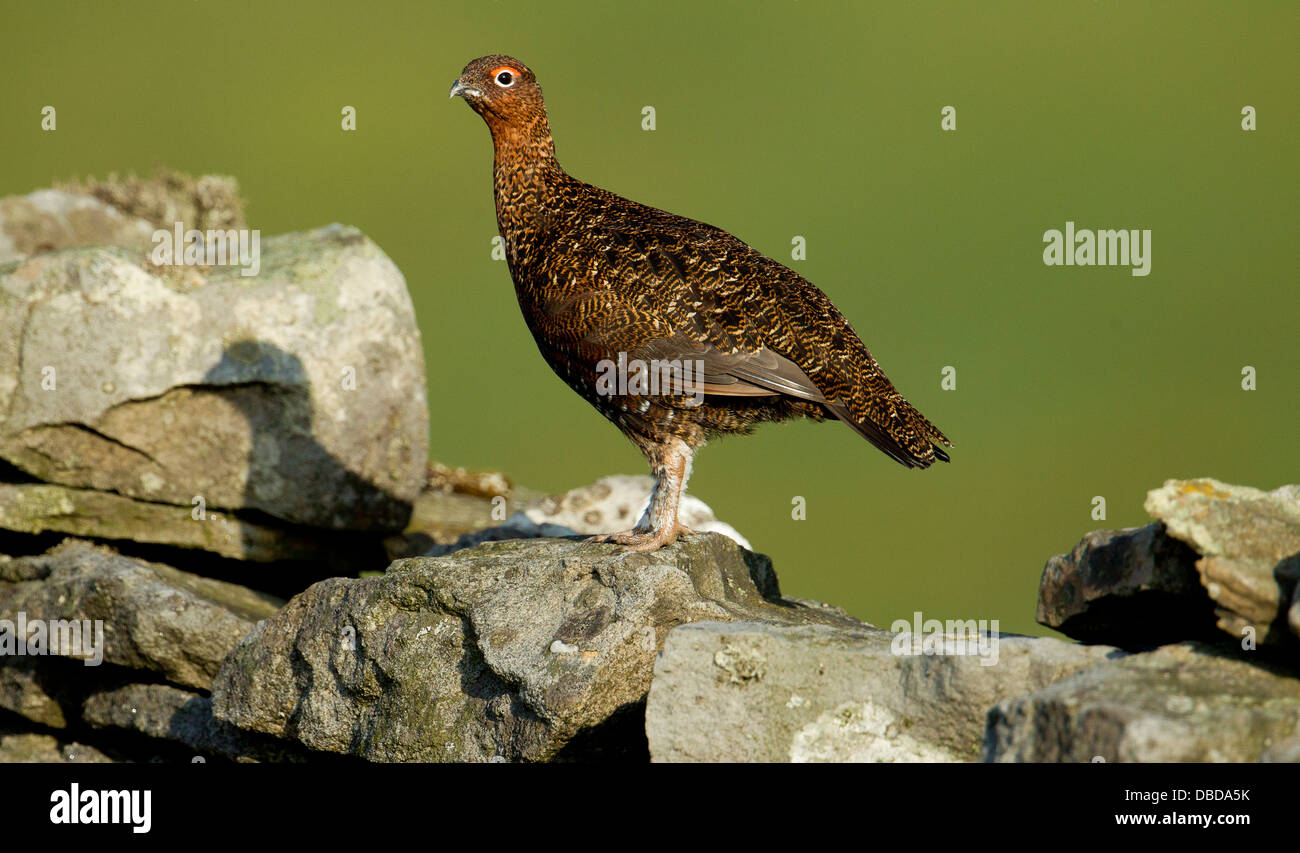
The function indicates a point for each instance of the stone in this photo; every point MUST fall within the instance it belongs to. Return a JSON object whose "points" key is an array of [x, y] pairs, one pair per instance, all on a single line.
{"points": [[516, 527], [1135, 587], [19, 747], [166, 197], [1187, 702], [616, 503], [1286, 751], [154, 617], [298, 392], [1249, 546], [761, 692], [51, 219], [40, 507], [511, 650], [44, 691], [169, 713]]}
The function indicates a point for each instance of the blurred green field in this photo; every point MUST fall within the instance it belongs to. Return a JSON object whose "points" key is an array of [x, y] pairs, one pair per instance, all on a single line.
{"points": [[777, 119]]}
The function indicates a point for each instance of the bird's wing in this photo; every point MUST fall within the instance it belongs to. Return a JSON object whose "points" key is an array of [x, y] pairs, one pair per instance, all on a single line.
{"points": [[757, 326], [601, 324], [758, 372]]}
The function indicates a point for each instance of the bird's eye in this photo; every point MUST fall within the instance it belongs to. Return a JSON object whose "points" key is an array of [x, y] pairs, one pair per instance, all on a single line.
{"points": [[505, 78]]}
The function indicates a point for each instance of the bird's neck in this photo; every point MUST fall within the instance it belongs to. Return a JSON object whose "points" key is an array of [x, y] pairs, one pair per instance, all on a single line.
{"points": [[526, 176]]}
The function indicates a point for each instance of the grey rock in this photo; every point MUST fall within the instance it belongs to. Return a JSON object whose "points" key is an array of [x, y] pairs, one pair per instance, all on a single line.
{"points": [[169, 713], [42, 690], [761, 692], [506, 651], [298, 392], [48, 220], [22, 692], [1249, 546], [41, 507], [1286, 751], [154, 617], [20, 747], [1186, 702], [1129, 587], [517, 526]]}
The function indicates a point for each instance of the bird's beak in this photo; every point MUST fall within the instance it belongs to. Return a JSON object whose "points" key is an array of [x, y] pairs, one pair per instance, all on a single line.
{"points": [[459, 88]]}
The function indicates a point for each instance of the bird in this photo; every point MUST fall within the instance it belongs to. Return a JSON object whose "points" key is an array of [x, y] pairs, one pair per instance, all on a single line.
{"points": [[615, 293]]}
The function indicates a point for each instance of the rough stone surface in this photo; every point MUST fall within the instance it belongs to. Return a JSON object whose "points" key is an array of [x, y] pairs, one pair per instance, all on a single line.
{"points": [[506, 651], [1130, 587], [169, 713], [752, 691], [42, 691], [1285, 751], [616, 503], [517, 526], [42, 507], [154, 617], [1249, 542], [19, 747], [298, 392], [48, 220], [1186, 702], [22, 692]]}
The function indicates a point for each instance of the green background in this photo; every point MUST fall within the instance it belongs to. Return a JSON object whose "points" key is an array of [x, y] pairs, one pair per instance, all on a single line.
{"points": [[779, 119]]}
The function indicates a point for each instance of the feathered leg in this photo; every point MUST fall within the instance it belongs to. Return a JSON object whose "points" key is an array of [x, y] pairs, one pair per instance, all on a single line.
{"points": [[670, 463]]}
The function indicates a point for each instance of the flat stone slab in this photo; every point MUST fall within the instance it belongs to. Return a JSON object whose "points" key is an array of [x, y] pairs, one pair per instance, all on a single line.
{"points": [[753, 691], [153, 617], [43, 507], [1185, 702]]}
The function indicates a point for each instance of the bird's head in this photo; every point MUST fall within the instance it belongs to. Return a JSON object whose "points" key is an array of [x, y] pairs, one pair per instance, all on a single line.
{"points": [[502, 90]]}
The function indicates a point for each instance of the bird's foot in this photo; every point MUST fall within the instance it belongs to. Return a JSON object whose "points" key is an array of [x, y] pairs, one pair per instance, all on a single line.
{"points": [[645, 540]]}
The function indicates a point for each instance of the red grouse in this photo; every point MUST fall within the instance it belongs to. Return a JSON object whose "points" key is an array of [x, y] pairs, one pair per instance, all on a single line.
{"points": [[673, 329]]}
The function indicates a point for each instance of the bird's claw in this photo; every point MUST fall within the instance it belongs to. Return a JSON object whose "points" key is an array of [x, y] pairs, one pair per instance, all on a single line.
{"points": [[644, 540]]}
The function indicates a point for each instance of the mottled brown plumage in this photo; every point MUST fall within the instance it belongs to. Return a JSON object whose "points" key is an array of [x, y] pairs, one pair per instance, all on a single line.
{"points": [[601, 278]]}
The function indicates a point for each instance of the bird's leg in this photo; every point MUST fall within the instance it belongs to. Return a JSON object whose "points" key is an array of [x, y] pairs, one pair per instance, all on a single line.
{"points": [[671, 465]]}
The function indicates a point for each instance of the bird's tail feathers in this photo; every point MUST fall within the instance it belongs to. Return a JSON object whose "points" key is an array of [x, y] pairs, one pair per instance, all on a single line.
{"points": [[911, 441]]}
